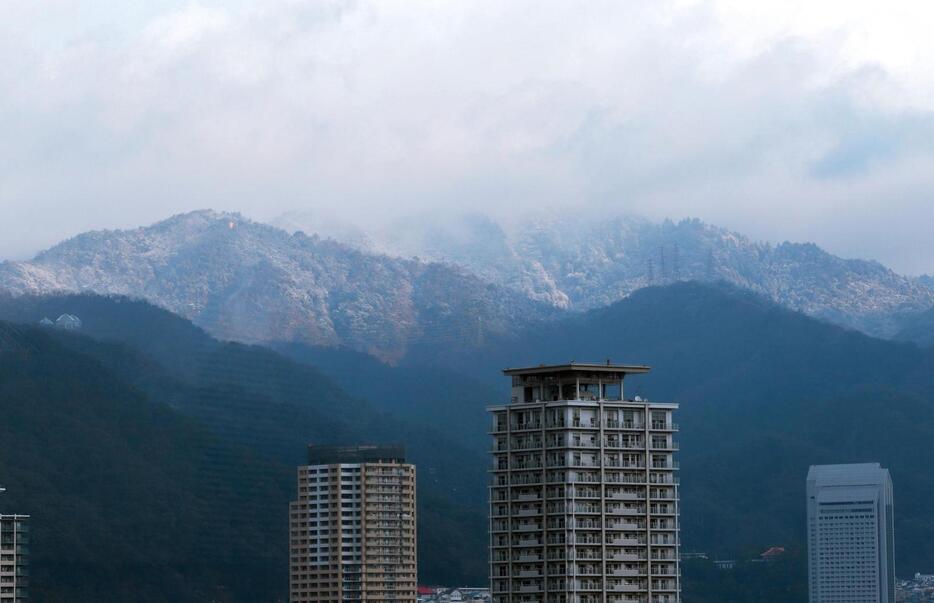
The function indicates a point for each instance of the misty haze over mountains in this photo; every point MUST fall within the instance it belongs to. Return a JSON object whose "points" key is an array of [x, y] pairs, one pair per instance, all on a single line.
{"points": [[476, 278]]}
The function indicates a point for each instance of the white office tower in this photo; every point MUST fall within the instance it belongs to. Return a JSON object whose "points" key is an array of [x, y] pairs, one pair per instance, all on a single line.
{"points": [[584, 498], [851, 552]]}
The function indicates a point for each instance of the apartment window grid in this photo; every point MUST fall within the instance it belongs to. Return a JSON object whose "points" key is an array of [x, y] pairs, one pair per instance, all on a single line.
{"points": [[850, 534], [847, 556], [583, 502], [14, 551], [341, 549]]}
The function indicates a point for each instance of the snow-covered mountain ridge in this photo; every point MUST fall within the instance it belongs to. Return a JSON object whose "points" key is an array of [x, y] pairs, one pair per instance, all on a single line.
{"points": [[252, 282], [247, 281], [577, 262]]}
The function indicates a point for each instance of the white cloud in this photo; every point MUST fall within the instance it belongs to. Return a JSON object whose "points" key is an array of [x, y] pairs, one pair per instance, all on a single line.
{"points": [[787, 120]]}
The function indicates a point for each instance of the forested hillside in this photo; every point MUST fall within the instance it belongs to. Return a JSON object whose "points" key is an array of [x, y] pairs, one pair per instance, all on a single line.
{"points": [[243, 398], [764, 393]]}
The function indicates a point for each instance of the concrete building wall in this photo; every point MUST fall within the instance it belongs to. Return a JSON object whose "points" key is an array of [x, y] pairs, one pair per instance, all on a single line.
{"points": [[14, 554], [584, 503]]}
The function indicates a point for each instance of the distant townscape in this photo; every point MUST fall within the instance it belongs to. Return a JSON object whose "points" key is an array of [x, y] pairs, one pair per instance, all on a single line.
{"points": [[919, 589]]}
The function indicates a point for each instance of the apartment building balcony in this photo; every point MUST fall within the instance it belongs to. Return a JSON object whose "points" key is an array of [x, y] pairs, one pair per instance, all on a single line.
{"points": [[530, 588], [524, 446], [520, 427], [628, 598], [527, 527], [588, 478], [532, 479], [527, 496], [527, 512], [663, 524], [627, 573], [624, 587], [586, 539], [586, 554], [664, 585], [622, 510], [627, 556], [622, 525], [624, 540], [664, 426], [664, 571], [586, 585], [637, 445], [573, 492]]}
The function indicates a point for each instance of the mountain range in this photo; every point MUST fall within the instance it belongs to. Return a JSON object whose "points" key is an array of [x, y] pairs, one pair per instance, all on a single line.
{"points": [[362, 344], [250, 282], [575, 261]]}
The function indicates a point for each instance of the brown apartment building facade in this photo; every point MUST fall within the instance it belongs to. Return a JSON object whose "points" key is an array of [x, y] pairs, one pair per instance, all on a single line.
{"points": [[352, 529]]}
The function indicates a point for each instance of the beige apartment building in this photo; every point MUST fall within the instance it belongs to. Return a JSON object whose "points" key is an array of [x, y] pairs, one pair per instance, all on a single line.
{"points": [[352, 529], [14, 552], [584, 493]]}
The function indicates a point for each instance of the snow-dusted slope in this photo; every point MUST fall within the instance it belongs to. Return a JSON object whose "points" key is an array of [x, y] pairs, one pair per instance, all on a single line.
{"points": [[251, 282], [579, 262]]}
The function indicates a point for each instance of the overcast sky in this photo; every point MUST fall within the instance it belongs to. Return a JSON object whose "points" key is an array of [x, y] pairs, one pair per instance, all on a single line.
{"points": [[784, 120]]}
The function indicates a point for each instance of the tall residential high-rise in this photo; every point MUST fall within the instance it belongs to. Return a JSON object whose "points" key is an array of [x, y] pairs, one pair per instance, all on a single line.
{"points": [[14, 552], [851, 534], [352, 528], [584, 493]]}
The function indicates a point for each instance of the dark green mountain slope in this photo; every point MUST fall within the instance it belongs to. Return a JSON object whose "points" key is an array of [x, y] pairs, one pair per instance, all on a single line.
{"points": [[764, 392], [115, 484], [918, 328], [255, 398], [432, 394]]}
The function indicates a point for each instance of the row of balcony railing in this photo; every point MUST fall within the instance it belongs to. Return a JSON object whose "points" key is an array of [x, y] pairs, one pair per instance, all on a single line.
{"points": [[502, 426]]}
